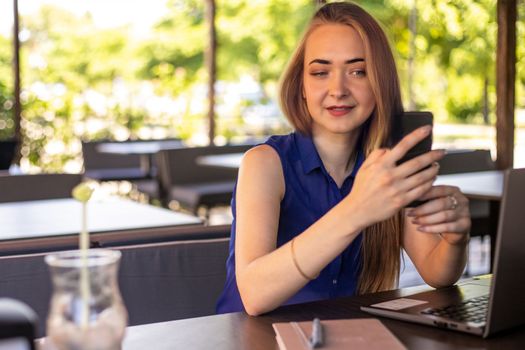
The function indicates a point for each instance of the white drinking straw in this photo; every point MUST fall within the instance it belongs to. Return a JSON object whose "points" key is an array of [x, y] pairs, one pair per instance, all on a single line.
{"points": [[82, 193]]}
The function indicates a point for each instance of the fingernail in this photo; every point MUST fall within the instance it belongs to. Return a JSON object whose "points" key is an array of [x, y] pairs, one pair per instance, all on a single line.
{"points": [[415, 222], [410, 213], [422, 229], [426, 129]]}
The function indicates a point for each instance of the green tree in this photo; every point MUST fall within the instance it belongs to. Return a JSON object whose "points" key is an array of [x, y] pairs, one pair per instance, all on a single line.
{"points": [[459, 37], [257, 38], [6, 89], [173, 57], [65, 59], [520, 56]]}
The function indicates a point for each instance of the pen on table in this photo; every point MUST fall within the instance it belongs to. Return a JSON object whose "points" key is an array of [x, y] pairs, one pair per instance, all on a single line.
{"points": [[316, 339]]}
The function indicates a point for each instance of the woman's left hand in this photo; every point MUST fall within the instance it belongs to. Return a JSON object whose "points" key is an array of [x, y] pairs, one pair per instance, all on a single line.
{"points": [[446, 213]]}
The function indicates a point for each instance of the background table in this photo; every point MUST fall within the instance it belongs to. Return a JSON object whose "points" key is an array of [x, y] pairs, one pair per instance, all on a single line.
{"points": [[240, 331], [146, 149], [232, 160], [45, 224], [476, 185]]}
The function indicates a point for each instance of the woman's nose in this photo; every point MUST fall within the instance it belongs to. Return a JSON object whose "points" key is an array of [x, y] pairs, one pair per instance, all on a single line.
{"points": [[337, 86]]}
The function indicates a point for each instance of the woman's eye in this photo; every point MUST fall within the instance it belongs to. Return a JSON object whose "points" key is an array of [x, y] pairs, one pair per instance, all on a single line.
{"points": [[318, 74], [359, 73]]}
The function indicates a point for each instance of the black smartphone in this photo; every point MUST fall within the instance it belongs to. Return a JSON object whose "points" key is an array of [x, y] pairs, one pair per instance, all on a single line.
{"points": [[404, 125]]}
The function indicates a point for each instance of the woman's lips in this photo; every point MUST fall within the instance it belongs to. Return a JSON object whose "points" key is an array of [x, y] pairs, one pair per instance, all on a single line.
{"points": [[338, 111]]}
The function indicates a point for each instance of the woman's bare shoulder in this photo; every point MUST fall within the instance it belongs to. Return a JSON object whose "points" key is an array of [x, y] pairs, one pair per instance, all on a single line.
{"points": [[261, 167], [261, 156]]}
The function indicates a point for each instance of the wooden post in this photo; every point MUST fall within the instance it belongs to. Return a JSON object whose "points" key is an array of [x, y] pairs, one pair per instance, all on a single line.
{"points": [[211, 64], [16, 75], [505, 82]]}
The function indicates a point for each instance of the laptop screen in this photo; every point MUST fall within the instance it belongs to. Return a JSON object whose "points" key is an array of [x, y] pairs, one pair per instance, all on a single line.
{"points": [[506, 308]]}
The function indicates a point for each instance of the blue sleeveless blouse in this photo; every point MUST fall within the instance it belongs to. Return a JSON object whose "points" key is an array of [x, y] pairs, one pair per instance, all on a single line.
{"points": [[310, 192]]}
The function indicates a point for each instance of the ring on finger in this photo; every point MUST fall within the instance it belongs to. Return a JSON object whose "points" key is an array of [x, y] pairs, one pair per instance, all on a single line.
{"points": [[454, 202]]}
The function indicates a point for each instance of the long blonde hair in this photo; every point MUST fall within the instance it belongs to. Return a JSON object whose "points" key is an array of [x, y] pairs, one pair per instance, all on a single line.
{"points": [[381, 245]]}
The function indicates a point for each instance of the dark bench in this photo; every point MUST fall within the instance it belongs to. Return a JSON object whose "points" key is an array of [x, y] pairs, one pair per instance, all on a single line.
{"points": [[192, 185], [158, 281], [16, 188]]}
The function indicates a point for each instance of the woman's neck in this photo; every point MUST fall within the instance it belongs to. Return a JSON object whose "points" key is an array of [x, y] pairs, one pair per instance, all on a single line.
{"points": [[338, 153]]}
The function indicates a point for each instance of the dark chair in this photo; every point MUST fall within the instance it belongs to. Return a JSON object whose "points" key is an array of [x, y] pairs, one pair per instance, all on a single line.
{"points": [[7, 153], [18, 324], [466, 161], [16, 188], [110, 167], [193, 185], [102, 166]]}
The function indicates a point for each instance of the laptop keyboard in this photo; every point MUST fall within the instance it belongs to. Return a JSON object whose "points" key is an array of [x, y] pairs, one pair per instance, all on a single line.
{"points": [[471, 310]]}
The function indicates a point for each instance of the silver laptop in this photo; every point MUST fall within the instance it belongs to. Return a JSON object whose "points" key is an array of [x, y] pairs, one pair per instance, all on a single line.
{"points": [[485, 304]]}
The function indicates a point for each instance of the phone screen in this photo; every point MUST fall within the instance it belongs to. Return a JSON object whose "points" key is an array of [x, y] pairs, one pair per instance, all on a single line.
{"points": [[408, 122]]}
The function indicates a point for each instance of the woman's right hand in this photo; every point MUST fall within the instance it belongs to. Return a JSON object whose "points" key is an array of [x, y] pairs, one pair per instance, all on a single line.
{"points": [[382, 187]]}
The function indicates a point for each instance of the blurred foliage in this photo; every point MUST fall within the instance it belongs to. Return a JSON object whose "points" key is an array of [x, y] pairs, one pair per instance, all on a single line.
{"points": [[461, 35], [85, 82], [174, 55], [6, 90], [7, 125], [245, 45], [520, 55]]}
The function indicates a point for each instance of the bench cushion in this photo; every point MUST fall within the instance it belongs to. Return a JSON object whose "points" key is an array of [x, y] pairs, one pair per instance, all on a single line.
{"points": [[206, 194]]}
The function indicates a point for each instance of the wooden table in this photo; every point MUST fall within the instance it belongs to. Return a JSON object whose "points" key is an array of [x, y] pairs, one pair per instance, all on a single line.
{"points": [[39, 225], [476, 185], [239, 331], [145, 149], [231, 160]]}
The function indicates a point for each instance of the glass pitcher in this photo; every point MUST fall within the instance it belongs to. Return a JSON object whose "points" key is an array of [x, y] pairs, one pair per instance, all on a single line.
{"points": [[73, 324]]}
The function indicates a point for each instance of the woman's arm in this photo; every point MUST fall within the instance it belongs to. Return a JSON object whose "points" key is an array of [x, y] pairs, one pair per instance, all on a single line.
{"points": [[267, 276], [436, 235]]}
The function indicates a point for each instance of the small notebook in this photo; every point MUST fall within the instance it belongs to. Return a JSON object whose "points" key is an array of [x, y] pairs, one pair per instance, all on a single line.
{"points": [[362, 333]]}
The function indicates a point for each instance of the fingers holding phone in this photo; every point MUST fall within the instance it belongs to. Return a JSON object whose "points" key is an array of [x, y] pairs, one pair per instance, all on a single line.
{"points": [[446, 212], [403, 150], [391, 179], [412, 139], [417, 174]]}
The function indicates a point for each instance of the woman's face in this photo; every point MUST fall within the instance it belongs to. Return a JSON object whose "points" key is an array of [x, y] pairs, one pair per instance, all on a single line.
{"points": [[336, 87]]}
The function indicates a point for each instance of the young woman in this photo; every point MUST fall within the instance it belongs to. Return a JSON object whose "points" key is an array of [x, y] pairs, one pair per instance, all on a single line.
{"points": [[319, 213]]}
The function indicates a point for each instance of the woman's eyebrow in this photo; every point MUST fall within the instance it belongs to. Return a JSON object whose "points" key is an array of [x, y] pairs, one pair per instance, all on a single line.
{"points": [[322, 61]]}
